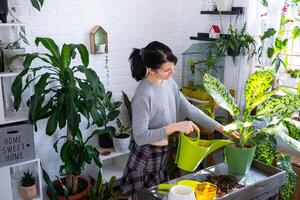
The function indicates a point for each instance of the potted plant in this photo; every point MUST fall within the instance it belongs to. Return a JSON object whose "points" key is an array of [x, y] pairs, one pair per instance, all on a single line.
{"points": [[64, 94], [121, 137], [236, 43], [28, 187], [103, 190], [11, 49], [272, 109]]}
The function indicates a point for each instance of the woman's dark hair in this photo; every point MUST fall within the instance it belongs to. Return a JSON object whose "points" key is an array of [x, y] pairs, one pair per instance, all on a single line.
{"points": [[152, 56]]}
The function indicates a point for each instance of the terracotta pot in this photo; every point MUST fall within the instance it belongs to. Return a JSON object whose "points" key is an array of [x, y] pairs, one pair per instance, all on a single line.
{"points": [[28, 192], [83, 195]]}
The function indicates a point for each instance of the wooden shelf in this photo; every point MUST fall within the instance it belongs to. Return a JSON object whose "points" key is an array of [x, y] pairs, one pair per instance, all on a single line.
{"points": [[234, 11], [205, 37]]}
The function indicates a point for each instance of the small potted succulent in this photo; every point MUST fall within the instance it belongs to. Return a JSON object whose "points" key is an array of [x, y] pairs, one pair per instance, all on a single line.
{"points": [[121, 137], [28, 187]]}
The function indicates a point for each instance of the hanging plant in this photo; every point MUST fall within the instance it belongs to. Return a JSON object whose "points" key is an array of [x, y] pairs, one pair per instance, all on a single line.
{"points": [[236, 43]]}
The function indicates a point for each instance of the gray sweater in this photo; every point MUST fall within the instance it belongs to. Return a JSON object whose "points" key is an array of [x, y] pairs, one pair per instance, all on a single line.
{"points": [[155, 106]]}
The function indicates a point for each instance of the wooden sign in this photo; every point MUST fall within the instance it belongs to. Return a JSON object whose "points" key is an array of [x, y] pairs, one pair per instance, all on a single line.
{"points": [[16, 144]]}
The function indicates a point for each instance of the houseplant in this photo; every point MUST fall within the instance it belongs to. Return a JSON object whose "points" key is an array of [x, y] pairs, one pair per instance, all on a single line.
{"points": [[121, 137], [103, 190], [13, 48], [64, 94], [28, 187], [236, 43], [273, 108]]}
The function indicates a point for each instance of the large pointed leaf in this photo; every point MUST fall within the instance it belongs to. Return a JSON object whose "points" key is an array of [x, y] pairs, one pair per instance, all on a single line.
{"points": [[49, 44], [127, 104], [282, 106], [293, 127], [257, 85], [17, 87], [222, 97], [278, 130], [84, 54], [65, 55]]}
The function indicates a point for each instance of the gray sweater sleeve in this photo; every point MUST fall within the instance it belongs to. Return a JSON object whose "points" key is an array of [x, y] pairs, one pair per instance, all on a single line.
{"points": [[140, 122], [195, 114]]}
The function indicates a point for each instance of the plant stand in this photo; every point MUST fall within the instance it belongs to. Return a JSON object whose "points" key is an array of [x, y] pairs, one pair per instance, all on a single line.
{"points": [[262, 182]]}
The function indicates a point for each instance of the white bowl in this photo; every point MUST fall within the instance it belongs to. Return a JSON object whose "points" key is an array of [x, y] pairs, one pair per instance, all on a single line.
{"points": [[181, 192]]}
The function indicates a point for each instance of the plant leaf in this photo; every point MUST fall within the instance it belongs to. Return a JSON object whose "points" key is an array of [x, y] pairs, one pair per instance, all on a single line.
{"points": [[282, 106], [268, 33], [220, 94], [257, 85], [49, 44]]}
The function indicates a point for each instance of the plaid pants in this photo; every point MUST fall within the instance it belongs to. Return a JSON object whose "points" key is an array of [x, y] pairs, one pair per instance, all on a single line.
{"points": [[146, 167]]}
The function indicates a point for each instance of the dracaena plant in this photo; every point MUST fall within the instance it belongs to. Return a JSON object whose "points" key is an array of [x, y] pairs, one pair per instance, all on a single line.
{"points": [[64, 93], [273, 106]]}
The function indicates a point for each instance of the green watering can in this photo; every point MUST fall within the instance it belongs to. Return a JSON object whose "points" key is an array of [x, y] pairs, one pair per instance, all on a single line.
{"points": [[191, 151]]}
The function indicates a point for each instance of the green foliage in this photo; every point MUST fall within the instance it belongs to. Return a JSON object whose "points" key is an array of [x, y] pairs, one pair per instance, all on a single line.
{"points": [[294, 132], [257, 86], [103, 191], [268, 103], [37, 4], [264, 3], [287, 190], [127, 103], [266, 145], [63, 94], [222, 97], [28, 179], [281, 106], [294, 73], [236, 43]]}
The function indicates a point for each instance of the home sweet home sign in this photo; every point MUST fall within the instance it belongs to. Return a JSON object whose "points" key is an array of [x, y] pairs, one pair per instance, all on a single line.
{"points": [[16, 144]]}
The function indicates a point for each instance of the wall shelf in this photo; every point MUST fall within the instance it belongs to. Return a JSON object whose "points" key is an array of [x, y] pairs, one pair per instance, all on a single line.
{"points": [[205, 37], [234, 11]]}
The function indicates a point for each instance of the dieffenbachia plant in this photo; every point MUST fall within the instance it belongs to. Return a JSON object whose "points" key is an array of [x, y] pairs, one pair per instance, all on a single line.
{"points": [[273, 106]]}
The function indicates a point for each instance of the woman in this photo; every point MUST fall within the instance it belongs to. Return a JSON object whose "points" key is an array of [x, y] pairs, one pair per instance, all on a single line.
{"points": [[157, 106]]}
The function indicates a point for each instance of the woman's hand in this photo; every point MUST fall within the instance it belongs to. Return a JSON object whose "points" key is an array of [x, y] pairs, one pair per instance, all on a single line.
{"points": [[234, 134], [184, 126]]}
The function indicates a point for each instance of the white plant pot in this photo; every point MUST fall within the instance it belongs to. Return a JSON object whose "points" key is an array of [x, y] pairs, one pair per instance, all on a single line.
{"points": [[17, 65], [121, 144], [224, 5]]}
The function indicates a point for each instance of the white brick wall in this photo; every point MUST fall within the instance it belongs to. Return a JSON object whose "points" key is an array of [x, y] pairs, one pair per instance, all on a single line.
{"points": [[131, 23]]}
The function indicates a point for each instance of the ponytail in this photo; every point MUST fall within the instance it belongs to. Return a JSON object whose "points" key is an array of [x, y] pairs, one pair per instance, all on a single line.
{"points": [[152, 56], [138, 69]]}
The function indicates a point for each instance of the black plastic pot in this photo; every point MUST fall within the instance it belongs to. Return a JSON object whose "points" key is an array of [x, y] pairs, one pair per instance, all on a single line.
{"points": [[105, 141], [3, 11], [233, 52]]}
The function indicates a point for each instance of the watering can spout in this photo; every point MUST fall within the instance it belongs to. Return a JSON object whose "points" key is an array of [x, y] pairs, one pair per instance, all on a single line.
{"points": [[191, 151]]}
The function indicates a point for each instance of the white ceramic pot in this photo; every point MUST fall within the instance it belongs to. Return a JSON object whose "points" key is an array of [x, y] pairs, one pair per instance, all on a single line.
{"points": [[121, 144], [224, 5], [181, 192], [17, 65]]}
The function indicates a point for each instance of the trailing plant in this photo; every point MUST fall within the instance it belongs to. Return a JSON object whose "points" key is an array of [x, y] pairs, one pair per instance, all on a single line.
{"points": [[64, 94], [237, 43], [28, 179], [272, 108], [103, 190]]}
